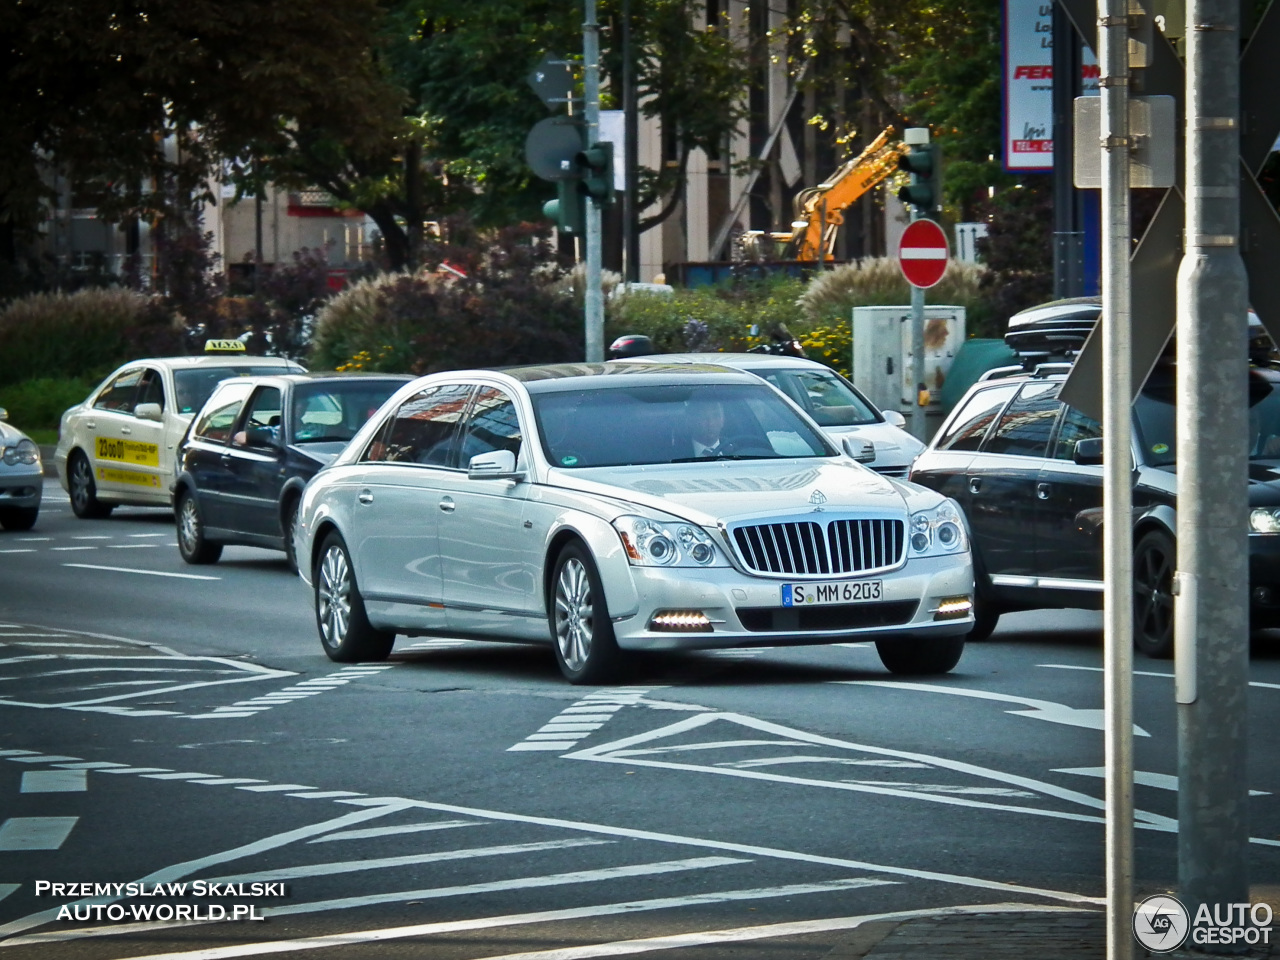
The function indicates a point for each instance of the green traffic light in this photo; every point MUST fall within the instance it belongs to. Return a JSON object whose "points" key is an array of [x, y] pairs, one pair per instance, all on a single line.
{"points": [[596, 166]]}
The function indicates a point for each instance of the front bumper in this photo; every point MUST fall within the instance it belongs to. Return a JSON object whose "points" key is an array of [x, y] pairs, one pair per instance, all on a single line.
{"points": [[21, 486], [747, 611]]}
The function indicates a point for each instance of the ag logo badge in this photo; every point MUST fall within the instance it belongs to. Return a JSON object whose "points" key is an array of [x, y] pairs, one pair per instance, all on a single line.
{"points": [[1161, 923]]}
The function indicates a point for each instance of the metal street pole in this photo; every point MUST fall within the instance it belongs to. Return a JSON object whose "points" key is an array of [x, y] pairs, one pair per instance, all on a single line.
{"points": [[631, 153], [594, 298], [918, 138], [1117, 492], [1212, 606]]}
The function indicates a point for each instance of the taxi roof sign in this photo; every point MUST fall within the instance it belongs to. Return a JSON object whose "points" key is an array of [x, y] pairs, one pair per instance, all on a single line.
{"points": [[223, 346]]}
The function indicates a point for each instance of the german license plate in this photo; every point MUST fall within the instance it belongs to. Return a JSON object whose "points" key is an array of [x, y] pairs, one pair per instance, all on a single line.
{"points": [[839, 591]]}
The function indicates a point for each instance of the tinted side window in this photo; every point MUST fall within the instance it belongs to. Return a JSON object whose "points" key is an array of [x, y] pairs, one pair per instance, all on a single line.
{"points": [[118, 396], [1026, 424], [970, 425], [1075, 427], [220, 413], [263, 419], [152, 388], [425, 428], [492, 425]]}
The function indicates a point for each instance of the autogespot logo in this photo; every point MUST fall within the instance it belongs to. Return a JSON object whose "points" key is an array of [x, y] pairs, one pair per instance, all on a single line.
{"points": [[1160, 923]]}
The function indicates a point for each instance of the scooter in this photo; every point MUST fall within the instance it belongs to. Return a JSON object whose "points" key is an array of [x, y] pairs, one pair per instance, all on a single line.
{"points": [[783, 344]]}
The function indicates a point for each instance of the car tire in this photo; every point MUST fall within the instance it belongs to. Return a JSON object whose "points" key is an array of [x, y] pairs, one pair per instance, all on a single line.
{"points": [[920, 656], [19, 518], [194, 546], [986, 615], [581, 631], [289, 521], [345, 631], [1154, 559], [84, 492]]}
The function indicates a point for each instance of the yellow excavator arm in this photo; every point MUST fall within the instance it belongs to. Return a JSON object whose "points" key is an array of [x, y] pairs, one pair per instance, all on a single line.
{"points": [[820, 209]]}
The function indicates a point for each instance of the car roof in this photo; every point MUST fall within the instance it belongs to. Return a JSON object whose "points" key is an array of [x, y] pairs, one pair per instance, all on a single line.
{"points": [[214, 360], [617, 373], [739, 361]]}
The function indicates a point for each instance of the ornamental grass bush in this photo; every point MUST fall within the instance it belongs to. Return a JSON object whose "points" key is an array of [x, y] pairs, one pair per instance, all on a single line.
{"points": [[82, 334], [832, 294], [512, 305]]}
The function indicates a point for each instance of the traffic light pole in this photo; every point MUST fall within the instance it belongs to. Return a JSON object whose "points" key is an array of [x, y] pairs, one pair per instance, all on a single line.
{"points": [[1117, 490], [594, 296], [1211, 660], [917, 137]]}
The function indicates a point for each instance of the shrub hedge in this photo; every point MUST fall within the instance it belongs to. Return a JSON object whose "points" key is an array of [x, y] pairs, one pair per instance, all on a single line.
{"points": [[38, 404]]}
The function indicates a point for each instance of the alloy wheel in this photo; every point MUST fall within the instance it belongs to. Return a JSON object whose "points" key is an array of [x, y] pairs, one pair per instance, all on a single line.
{"points": [[333, 596], [81, 483], [574, 614], [1153, 594], [189, 525]]}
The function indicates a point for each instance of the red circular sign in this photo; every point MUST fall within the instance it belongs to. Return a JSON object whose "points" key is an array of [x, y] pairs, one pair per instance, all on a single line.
{"points": [[923, 253]]}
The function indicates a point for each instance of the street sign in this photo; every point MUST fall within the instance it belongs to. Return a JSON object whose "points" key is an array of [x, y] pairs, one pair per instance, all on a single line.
{"points": [[552, 80], [923, 253], [552, 146]]}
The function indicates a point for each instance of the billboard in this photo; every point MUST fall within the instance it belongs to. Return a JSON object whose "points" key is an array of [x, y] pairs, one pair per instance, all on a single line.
{"points": [[1028, 85]]}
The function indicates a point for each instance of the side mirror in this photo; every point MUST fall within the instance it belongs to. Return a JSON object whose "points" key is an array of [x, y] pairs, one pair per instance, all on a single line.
{"points": [[894, 418], [494, 465], [148, 411], [864, 451], [261, 437], [1088, 452]]}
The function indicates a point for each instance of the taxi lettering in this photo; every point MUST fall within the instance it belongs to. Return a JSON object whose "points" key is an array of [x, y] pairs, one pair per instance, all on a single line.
{"points": [[129, 451]]}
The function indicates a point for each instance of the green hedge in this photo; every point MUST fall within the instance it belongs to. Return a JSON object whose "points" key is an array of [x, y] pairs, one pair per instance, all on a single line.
{"points": [[38, 404]]}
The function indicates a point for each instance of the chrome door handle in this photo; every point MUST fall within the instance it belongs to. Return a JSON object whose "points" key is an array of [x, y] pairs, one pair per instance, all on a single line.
{"points": [[126, 430], [975, 484], [1042, 491], [447, 505], [91, 424], [366, 496]]}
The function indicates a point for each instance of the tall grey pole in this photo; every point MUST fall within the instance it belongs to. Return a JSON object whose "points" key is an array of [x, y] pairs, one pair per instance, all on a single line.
{"points": [[631, 150], [594, 299], [1117, 492], [1212, 607], [919, 427]]}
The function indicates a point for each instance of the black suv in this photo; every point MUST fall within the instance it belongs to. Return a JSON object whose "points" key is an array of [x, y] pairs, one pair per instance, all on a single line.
{"points": [[1027, 469], [252, 448]]}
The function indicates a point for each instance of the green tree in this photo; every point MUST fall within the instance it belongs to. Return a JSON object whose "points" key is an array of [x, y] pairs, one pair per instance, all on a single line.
{"points": [[140, 101]]}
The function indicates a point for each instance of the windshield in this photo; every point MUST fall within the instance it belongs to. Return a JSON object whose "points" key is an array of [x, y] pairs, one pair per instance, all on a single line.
{"points": [[332, 410], [823, 395], [1157, 420], [671, 423], [194, 385]]}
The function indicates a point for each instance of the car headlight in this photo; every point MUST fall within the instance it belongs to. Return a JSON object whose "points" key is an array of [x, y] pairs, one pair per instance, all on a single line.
{"points": [[650, 543], [1264, 520], [936, 531], [24, 451]]}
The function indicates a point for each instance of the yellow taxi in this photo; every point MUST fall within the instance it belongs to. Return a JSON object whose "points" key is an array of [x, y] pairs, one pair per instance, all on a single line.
{"points": [[118, 446]]}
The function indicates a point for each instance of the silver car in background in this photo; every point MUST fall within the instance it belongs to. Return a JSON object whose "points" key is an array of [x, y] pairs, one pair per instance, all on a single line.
{"points": [[21, 477], [835, 404], [572, 506]]}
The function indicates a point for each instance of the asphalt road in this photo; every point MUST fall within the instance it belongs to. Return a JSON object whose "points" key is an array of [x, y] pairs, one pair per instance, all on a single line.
{"points": [[167, 724]]}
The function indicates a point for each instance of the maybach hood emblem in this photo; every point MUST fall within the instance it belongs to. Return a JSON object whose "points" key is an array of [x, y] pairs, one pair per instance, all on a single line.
{"points": [[817, 497]]}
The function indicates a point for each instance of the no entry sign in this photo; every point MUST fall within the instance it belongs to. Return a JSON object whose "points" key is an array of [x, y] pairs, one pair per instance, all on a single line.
{"points": [[922, 255]]}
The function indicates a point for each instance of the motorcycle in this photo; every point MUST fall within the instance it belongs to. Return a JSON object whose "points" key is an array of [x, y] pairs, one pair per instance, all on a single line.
{"points": [[783, 344]]}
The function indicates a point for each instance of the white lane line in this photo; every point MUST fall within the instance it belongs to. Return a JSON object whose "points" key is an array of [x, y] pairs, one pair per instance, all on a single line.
{"points": [[1049, 710], [1144, 778], [1145, 673], [132, 546], [356, 937], [140, 535], [67, 549], [138, 770], [149, 573], [41, 758], [90, 537], [573, 723], [326, 794], [17, 550], [521, 883], [17, 753], [776, 761], [180, 776], [439, 856], [8, 888], [35, 833], [224, 780], [395, 831], [275, 787], [34, 539], [63, 644], [179, 870], [90, 765], [54, 781]]}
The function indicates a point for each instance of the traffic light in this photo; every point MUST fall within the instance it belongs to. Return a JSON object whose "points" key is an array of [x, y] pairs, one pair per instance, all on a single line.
{"points": [[595, 167], [925, 190], [568, 210]]}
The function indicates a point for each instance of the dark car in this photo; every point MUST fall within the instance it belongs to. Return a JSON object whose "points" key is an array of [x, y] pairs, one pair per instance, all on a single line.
{"points": [[1027, 470], [253, 447]]}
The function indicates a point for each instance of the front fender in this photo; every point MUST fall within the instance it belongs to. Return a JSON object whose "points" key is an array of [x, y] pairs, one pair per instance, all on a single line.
{"points": [[605, 545]]}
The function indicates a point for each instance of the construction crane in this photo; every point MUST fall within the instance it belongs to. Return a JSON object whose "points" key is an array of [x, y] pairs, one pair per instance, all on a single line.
{"points": [[820, 209]]}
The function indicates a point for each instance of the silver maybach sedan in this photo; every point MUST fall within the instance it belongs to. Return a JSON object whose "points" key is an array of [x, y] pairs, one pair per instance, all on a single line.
{"points": [[600, 508]]}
